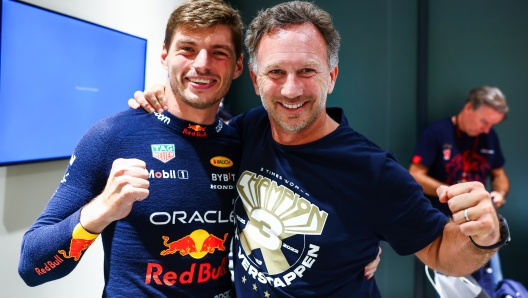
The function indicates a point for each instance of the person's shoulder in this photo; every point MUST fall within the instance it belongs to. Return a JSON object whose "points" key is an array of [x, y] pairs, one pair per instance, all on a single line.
{"points": [[252, 118], [124, 119], [357, 146], [440, 123], [117, 125], [254, 114]]}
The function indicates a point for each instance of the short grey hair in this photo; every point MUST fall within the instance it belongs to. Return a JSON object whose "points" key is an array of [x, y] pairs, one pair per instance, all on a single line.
{"points": [[488, 96], [290, 13]]}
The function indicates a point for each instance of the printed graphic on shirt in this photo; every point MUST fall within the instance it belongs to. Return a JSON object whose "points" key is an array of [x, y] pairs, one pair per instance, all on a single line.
{"points": [[219, 126], [80, 242], [195, 131], [169, 174], [163, 152], [487, 151], [162, 118], [447, 151], [222, 178], [221, 162], [273, 227], [468, 166], [72, 160], [197, 244], [184, 217]]}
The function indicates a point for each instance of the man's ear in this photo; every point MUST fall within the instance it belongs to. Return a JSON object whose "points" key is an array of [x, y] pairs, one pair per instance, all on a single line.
{"points": [[164, 54], [239, 66], [254, 79], [333, 78]]}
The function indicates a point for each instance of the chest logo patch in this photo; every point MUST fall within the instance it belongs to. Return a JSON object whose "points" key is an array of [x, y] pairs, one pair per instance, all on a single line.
{"points": [[163, 152], [221, 162]]}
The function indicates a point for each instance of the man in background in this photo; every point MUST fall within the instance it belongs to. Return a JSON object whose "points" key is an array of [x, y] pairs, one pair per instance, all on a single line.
{"points": [[462, 148]]}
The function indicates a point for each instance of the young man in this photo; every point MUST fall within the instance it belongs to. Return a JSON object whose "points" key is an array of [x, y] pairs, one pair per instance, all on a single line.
{"points": [[314, 196], [158, 187]]}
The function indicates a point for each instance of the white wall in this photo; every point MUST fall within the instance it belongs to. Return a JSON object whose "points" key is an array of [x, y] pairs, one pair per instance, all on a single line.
{"points": [[25, 189]]}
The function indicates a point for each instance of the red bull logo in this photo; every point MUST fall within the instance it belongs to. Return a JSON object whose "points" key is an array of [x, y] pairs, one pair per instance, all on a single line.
{"points": [[197, 273], [196, 127], [212, 242], [187, 245], [184, 245], [221, 162], [195, 131], [80, 241]]}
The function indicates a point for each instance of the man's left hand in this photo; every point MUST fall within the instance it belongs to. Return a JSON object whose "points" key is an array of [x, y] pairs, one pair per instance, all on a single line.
{"points": [[473, 210]]}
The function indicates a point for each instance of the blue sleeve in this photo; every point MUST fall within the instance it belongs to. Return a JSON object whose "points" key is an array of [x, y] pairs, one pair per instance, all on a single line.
{"points": [[49, 250], [426, 149], [400, 213]]}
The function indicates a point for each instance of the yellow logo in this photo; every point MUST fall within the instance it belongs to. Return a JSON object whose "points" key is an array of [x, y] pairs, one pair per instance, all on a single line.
{"points": [[221, 162]]}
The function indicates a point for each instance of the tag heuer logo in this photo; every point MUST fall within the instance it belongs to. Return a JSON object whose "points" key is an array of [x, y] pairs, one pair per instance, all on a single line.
{"points": [[163, 152]]}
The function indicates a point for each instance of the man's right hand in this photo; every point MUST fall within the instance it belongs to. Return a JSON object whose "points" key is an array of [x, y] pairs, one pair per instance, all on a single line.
{"points": [[152, 100], [126, 184]]}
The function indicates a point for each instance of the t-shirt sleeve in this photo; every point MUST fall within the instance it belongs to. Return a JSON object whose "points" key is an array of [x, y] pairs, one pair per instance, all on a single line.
{"points": [[498, 161], [54, 244], [399, 212], [426, 148]]}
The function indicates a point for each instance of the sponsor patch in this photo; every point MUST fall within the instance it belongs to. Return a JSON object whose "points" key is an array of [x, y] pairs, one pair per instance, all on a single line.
{"points": [[163, 152], [221, 162]]}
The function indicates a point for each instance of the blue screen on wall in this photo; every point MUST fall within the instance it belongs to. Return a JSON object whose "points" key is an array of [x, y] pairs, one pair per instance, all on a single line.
{"points": [[58, 76]]}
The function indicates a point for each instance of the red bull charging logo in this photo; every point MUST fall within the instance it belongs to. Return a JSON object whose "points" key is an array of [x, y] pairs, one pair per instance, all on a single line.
{"points": [[80, 241], [196, 245], [207, 243], [195, 131]]}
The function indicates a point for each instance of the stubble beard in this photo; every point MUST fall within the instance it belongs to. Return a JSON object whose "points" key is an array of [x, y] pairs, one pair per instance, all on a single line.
{"points": [[200, 103], [290, 124]]}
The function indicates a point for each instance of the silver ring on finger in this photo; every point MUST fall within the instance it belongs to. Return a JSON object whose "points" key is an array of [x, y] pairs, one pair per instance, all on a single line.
{"points": [[466, 215]]}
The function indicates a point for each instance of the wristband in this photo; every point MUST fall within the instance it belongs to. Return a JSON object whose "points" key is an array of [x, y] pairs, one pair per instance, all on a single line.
{"points": [[504, 235], [87, 231]]}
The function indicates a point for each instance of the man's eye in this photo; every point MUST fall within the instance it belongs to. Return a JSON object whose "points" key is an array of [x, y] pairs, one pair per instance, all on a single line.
{"points": [[275, 71], [221, 53], [187, 49], [307, 70]]}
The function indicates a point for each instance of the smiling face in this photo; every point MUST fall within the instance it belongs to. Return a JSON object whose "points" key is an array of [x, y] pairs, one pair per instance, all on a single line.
{"points": [[293, 77], [201, 64]]}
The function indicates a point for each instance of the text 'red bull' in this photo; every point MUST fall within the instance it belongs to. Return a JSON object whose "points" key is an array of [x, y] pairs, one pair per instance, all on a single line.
{"points": [[155, 272], [195, 131], [49, 265]]}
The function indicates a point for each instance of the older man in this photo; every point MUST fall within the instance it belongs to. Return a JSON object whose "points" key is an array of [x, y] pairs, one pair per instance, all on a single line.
{"points": [[316, 197]]}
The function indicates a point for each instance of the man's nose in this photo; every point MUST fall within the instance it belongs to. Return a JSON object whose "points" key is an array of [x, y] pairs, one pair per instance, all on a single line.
{"points": [[202, 61], [292, 87]]}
